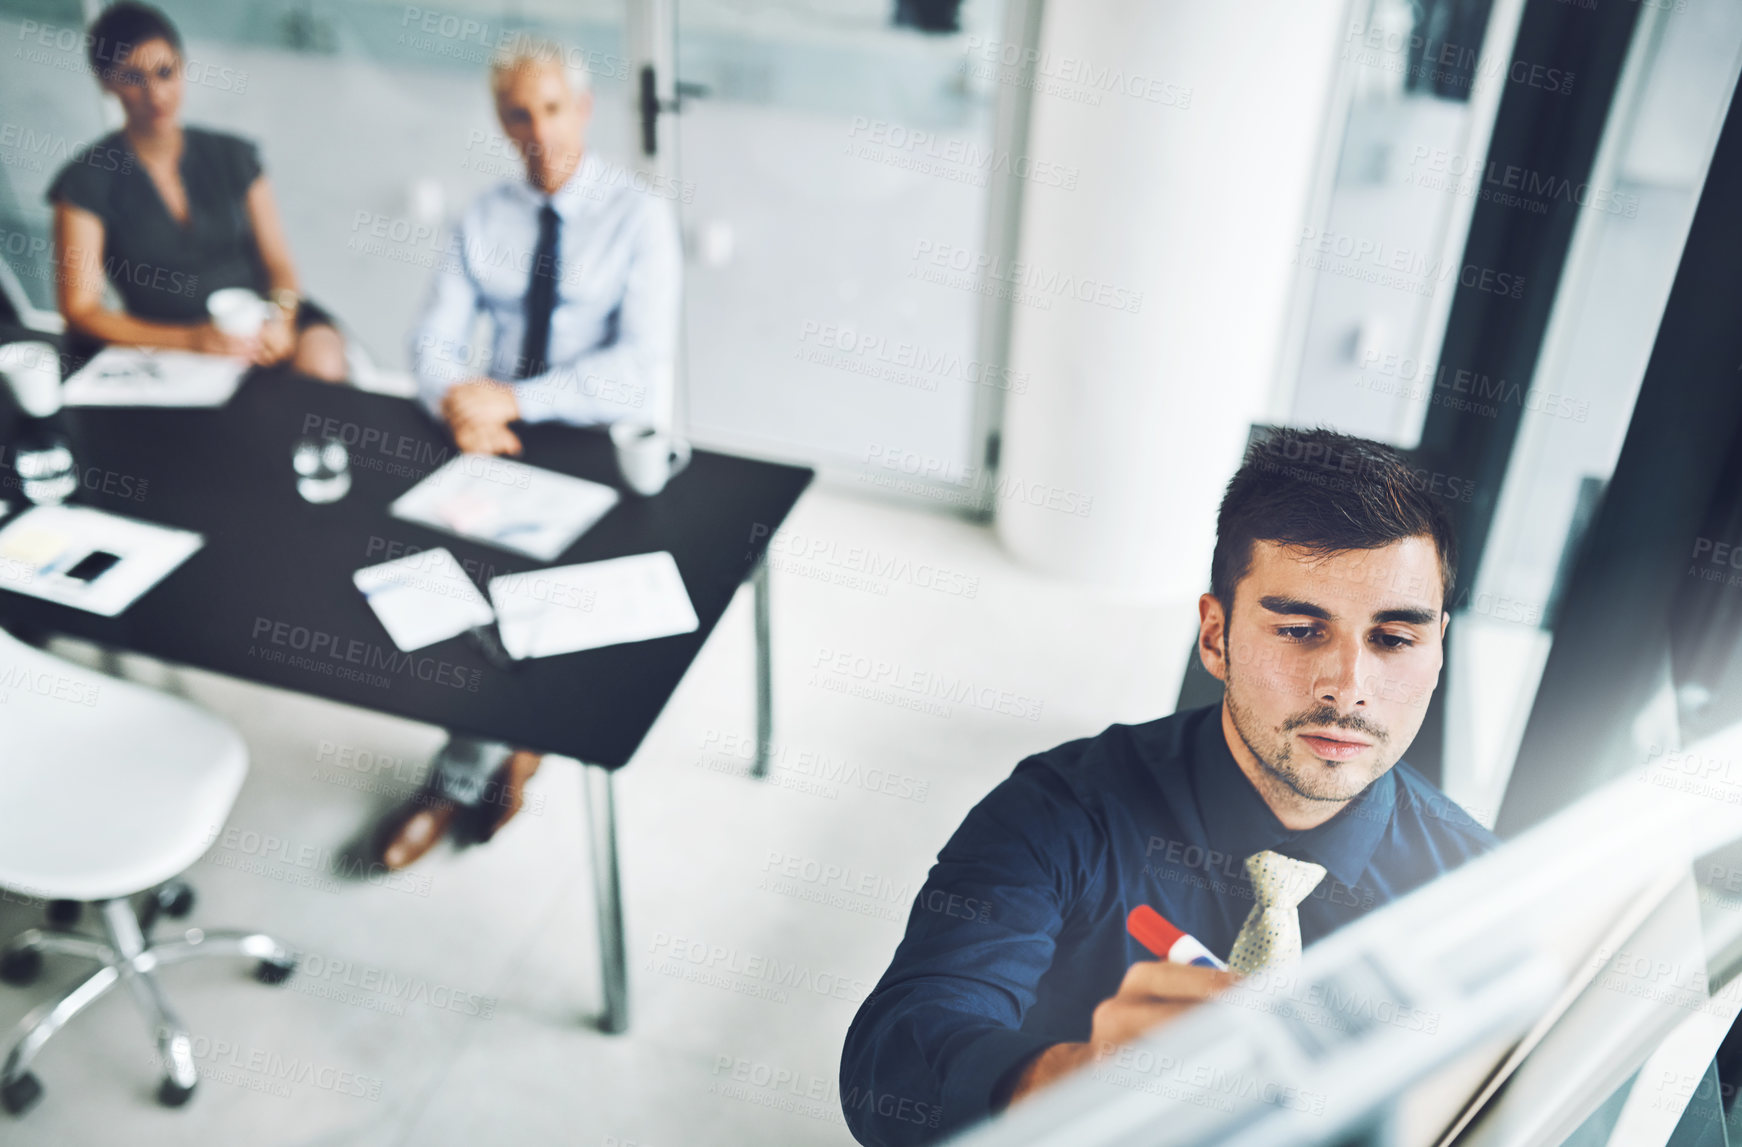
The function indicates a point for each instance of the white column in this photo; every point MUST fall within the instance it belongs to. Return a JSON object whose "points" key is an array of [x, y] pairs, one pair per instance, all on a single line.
{"points": [[1194, 172]]}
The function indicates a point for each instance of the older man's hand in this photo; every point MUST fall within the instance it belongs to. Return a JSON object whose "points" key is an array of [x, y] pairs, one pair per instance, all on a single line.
{"points": [[472, 439], [478, 412]]}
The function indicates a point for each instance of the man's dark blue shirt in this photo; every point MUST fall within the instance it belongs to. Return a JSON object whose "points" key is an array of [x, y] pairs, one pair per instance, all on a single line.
{"points": [[1019, 930]]}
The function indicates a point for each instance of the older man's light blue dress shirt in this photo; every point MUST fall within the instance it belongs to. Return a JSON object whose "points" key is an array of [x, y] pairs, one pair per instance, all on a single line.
{"points": [[613, 335]]}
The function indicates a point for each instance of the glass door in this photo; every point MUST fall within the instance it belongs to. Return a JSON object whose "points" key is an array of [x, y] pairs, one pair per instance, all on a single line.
{"points": [[833, 163]]}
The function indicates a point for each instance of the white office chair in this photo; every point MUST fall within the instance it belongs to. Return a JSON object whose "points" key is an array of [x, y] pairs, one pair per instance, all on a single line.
{"points": [[107, 790]]}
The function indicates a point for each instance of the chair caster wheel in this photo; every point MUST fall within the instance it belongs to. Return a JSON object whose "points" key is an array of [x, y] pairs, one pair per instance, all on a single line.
{"points": [[172, 1094], [20, 966], [175, 899], [64, 913], [274, 971], [21, 1094]]}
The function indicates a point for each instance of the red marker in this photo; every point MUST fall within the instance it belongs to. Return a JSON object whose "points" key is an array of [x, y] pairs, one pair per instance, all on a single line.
{"points": [[1151, 929]]}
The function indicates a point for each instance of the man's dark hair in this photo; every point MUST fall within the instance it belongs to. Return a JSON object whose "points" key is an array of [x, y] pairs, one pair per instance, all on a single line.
{"points": [[1324, 492], [123, 27]]}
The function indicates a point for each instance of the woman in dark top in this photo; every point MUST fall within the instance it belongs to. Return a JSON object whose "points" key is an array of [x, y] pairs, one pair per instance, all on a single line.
{"points": [[170, 214]]}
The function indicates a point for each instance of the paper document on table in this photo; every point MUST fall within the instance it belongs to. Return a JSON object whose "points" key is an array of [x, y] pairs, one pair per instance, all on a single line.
{"points": [[587, 606], [508, 504], [87, 558], [423, 598], [134, 376]]}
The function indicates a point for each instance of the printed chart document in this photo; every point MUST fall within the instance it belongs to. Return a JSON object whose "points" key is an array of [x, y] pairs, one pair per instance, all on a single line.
{"points": [[87, 558], [134, 376], [508, 504], [588, 606], [423, 598]]}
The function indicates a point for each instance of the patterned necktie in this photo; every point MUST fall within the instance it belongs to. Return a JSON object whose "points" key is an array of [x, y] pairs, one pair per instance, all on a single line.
{"points": [[540, 297], [1270, 937]]}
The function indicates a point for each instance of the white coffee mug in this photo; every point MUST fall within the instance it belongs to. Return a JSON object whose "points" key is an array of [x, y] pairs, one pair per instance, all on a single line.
{"points": [[32, 370], [237, 311], [648, 456]]}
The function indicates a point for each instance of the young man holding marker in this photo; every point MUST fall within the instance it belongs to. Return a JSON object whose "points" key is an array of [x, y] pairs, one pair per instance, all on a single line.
{"points": [[1256, 825]]}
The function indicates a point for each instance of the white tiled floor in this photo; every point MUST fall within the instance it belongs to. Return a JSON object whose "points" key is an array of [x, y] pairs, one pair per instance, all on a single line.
{"points": [[458, 1001]]}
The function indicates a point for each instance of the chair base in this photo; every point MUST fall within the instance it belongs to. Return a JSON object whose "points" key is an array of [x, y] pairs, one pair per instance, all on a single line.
{"points": [[125, 957]]}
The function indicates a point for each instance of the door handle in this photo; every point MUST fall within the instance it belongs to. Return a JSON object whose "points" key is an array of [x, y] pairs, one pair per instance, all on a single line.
{"points": [[651, 106], [650, 109]]}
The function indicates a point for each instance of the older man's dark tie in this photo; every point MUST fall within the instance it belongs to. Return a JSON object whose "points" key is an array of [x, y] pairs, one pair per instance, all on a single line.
{"points": [[540, 296]]}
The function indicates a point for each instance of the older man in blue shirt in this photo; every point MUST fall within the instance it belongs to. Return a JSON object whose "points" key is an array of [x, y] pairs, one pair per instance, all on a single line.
{"points": [[578, 271], [1256, 825]]}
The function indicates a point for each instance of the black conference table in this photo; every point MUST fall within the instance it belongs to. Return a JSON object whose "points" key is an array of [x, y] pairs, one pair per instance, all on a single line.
{"points": [[269, 598]]}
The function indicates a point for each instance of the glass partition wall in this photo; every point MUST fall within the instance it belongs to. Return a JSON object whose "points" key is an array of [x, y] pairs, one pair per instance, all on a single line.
{"points": [[1677, 81], [373, 119], [822, 149], [1388, 248]]}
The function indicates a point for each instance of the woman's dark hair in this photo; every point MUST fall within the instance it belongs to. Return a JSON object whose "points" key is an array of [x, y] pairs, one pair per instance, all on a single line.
{"points": [[1325, 492], [123, 27]]}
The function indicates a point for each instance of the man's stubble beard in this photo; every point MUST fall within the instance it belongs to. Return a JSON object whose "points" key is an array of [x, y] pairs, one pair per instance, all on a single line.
{"points": [[1276, 759]]}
